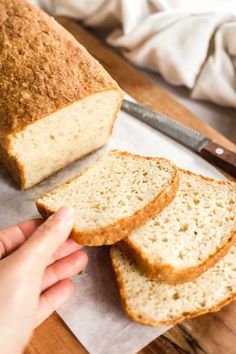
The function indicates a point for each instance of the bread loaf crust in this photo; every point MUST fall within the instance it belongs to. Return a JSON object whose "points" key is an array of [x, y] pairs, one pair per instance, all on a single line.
{"points": [[145, 321], [167, 273], [13, 166], [121, 228], [43, 67]]}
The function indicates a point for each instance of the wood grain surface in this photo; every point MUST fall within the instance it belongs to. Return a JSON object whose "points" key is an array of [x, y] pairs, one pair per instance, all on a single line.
{"points": [[212, 333]]}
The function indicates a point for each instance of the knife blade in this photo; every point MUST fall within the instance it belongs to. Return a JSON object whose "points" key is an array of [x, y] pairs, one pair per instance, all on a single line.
{"points": [[211, 151]]}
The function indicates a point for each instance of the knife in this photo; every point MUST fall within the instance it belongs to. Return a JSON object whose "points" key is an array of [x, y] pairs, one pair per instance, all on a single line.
{"points": [[208, 149]]}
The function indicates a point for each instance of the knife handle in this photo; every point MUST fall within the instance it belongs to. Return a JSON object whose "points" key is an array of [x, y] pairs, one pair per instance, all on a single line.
{"points": [[220, 156]]}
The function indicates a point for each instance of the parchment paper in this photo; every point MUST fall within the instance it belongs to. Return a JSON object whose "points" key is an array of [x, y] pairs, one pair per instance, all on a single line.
{"points": [[94, 312]]}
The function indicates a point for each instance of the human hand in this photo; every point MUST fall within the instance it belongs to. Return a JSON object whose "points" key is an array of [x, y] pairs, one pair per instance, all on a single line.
{"points": [[34, 278]]}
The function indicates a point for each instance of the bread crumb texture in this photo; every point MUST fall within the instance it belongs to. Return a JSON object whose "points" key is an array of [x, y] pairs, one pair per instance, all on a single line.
{"points": [[200, 220], [115, 187], [64, 136], [155, 303]]}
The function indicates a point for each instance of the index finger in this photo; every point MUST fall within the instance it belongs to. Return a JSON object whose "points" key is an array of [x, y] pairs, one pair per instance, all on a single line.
{"points": [[49, 236]]}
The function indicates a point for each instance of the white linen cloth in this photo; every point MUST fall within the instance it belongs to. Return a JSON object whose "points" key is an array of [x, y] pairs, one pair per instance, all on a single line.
{"points": [[191, 43]]}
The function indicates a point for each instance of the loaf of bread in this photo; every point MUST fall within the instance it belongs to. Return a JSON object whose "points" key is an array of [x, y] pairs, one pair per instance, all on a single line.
{"points": [[117, 194], [154, 303], [191, 234], [57, 102]]}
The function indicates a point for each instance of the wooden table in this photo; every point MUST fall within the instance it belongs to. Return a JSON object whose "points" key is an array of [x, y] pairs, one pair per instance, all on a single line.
{"points": [[211, 334]]}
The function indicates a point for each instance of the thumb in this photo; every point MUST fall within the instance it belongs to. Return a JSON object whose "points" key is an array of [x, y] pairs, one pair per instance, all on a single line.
{"points": [[49, 236]]}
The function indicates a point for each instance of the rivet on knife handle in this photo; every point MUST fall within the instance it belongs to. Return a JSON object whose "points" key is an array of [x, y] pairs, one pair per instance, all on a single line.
{"points": [[220, 156]]}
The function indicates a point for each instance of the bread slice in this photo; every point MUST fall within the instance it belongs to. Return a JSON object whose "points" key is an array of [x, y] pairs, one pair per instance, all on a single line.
{"points": [[117, 194], [154, 303], [57, 102], [191, 234]]}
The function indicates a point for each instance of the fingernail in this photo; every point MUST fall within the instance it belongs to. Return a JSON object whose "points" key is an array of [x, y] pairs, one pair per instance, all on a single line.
{"points": [[65, 213]]}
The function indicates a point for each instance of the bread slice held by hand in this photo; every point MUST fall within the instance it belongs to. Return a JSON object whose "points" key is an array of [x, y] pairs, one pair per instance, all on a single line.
{"points": [[156, 304], [191, 234], [117, 194]]}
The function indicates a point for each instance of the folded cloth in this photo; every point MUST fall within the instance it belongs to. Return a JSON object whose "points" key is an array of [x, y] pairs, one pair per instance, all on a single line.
{"points": [[191, 43]]}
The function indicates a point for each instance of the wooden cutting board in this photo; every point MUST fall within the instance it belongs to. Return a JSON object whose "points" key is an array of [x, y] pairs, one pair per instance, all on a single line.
{"points": [[212, 333]]}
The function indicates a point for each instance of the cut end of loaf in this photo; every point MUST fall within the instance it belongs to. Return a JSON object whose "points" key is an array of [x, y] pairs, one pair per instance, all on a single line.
{"points": [[125, 190], [55, 141], [156, 304]]}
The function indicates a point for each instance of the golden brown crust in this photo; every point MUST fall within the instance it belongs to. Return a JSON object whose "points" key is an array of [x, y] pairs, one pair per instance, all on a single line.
{"points": [[151, 322], [112, 233], [209, 179], [168, 274], [13, 166], [43, 67]]}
